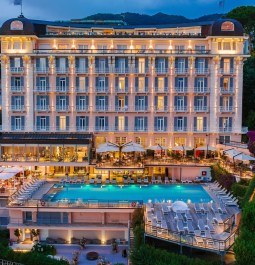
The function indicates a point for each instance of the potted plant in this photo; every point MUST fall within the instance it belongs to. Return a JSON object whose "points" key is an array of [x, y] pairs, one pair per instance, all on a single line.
{"points": [[17, 233], [83, 243], [35, 234]]}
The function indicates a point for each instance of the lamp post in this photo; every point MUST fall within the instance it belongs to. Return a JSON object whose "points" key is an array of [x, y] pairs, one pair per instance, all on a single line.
{"points": [[207, 145]]}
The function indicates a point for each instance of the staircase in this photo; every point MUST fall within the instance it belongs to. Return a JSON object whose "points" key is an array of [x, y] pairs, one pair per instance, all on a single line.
{"points": [[131, 243], [6, 262]]}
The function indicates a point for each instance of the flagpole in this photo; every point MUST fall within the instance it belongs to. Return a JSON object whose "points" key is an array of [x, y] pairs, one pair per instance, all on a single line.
{"points": [[21, 8]]}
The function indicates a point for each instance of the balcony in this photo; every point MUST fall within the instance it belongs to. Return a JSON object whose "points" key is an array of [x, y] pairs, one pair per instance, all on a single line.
{"points": [[226, 109], [62, 108], [81, 70], [121, 129], [121, 109], [62, 129], [81, 89], [121, 90], [102, 70], [42, 128], [225, 129], [228, 71], [140, 129], [181, 71], [18, 128], [140, 70], [201, 90], [17, 89], [226, 90], [161, 70], [42, 89], [180, 129], [160, 128], [202, 71], [101, 128], [121, 70], [82, 108], [180, 108], [101, 108], [199, 129], [82, 128], [100, 89], [181, 89], [200, 108], [17, 70], [161, 89], [141, 108], [62, 89], [60, 70], [42, 70], [17, 107], [160, 108], [141, 89], [42, 108]]}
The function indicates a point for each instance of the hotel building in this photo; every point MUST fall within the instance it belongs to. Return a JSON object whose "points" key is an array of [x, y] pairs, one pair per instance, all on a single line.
{"points": [[68, 87]]}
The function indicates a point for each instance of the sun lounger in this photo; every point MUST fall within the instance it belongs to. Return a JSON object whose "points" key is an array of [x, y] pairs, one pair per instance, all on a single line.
{"points": [[82, 180], [146, 180], [184, 181], [125, 181], [153, 180], [173, 180], [128, 179], [214, 208], [199, 240], [164, 225], [164, 208], [167, 180], [190, 228], [206, 208], [178, 216], [188, 215], [210, 227], [197, 208], [218, 219], [201, 225], [92, 181], [99, 180], [222, 208], [107, 181], [132, 181], [159, 180], [114, 181], [139, 180], [180, 227], [159, 217]]}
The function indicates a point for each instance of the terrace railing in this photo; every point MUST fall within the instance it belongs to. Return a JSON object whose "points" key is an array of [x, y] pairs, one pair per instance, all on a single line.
{"points": [[180, 238], [7, 262]]}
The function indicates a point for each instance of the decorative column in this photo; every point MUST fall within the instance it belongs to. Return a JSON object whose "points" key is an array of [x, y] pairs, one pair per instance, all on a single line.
{"points": [[72, 121], [52, 98], [171, 85]]}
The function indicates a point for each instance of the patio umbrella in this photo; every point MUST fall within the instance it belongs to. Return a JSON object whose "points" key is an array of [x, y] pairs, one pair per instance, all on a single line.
{"points": [[157, 147], [206, 148], [133, 148], [244, 157], [231, 153], [180, 206], [181, 148], [107, 147]]}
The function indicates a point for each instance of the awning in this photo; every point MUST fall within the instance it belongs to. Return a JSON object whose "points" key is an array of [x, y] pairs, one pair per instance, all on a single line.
{"points": [[244, 157], [157, 147], [6, 176], [107, 147], [206, 148], [181, 148], [133, 147]]}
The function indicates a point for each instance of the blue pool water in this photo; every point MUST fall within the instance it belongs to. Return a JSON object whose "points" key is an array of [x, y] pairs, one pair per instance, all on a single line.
{"points": [[155, 193]]}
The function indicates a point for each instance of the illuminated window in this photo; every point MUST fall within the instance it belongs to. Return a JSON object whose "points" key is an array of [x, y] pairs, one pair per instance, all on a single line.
{"points": [[161, 141], [141, 65], [62, 122], [179, 141], [140, 140], [161, 83], [122, 83], [141, 83], [17, 45], [199, 141], [227, 26], [120, 140], [199, 123], [225, 83]]}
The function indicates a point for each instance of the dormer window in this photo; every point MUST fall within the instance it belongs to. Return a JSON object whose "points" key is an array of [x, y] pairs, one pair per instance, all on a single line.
{"points": [[227, 26]]}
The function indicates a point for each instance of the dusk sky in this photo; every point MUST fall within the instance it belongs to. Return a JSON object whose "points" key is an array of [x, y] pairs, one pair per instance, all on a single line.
{"points": [[67, 9]]}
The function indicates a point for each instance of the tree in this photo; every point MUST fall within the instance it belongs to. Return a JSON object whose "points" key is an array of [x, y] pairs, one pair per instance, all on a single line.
{"points": [[17, 233]]}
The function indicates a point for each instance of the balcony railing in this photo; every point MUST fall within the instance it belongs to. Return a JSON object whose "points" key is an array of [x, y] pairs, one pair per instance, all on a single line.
{"points": [[141, 89], [181, 89], [42, 128], [81, 89], [160, 128], [200, 108], [42, 70], [42, 107], [17, 89], [180, 108], [18, 128], [121, 109], [228, 90], [141, 108], [81, 108], [162, 70], [229, 71], [102, 108], [202, 71], [181, 71], [121, 129], [161, 108], [103, 70], [42, 89], [82, 128], [17, 70], [140, 71], [101, 128], [61, 108], [226, 108], [17, 107], [140, 129], [62, 89], [225, 129], [64, 70], [81, 70], [201, 89], [180, 129], [161, 89], [121, 90], [120, 70], [102, 89], [199, 129], [62, 129]]}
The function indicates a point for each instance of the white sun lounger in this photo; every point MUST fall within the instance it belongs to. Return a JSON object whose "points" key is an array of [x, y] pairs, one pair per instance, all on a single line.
{"points": [[139, 180], [214, 207], [190, 228], [153, 180], [180, 227], [159, 180], [201, 225], [92, 181], [114, 181], [197, 208], [218, 219], [188, 216], [146, 180], [164, 208], [167, 180]]}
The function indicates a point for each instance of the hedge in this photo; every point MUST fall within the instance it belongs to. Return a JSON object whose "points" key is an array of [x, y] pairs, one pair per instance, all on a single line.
{"points": [[249, 192]]}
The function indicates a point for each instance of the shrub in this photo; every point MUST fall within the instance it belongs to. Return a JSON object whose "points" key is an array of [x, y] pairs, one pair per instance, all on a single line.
{"points": [[137, 218], [44, 249]]}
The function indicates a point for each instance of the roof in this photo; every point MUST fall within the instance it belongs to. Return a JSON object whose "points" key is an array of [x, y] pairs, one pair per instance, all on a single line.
{"points": [[226, 27], [45, 138]]}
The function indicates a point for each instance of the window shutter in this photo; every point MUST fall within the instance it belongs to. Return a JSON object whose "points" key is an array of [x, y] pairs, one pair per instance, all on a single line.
{"points": [[146, 102], [106, 122], [185, 101], [206, 63], [47, 100], [22, 122], [206, 82], [231, 82], [205, 101], [12, 121], [156, 123], [87, 81], [116, 82], [126, 123], [57, 100], [13, 100], [126, 82], [97, 100], [67, 122], [166, 62], [58, 81], [22, 100], [136, 63], [136, 83], [146, 83], [221, 101], [12, 81], [57, 122], [221, 82], [126, 62], [37, 62], [165, 102], [221, 63], [176, 62], [231, 63], [106, 102], [136, 123], [204, 123], [156, 102], [146, 123], [231, 101], [166, 83], [146, 63], [196, 63], [77, 100], [97, 82], [186, 62], [116, 123], [38, 118], [97, 62], [87, 121], [185, 122], [230, 122], [220, 122], [66, 62], [165, 123], [77, 122], [106, 82], [116, 103], [12, 62], [175, 100], [77, 60], [22, 81], [77, 82], [136, 101], [156, 84], [186, 82], [67, 100], [195, 82], [67, 83], [116, 62], [175, 122], [57, 62], [126, 101], [156, 63], [195, 124], [97, 122]]}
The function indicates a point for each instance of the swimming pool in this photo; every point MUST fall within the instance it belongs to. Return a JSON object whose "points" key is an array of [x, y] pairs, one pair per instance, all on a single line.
{"points": [[143, 193]]}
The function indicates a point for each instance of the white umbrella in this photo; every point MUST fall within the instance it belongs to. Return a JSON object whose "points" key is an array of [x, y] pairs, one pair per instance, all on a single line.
{"points": [[107, 147], [244, 157], [132, 148], [181, 148], [180, 206], [206, 148], [157, 147], [231, 153]]}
